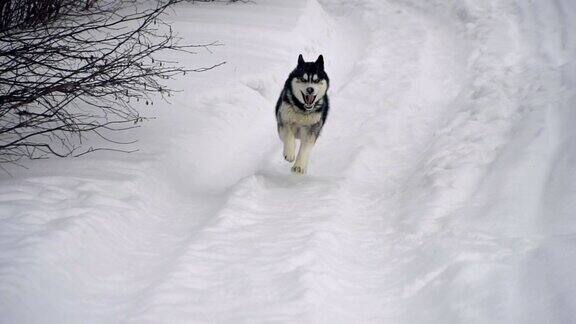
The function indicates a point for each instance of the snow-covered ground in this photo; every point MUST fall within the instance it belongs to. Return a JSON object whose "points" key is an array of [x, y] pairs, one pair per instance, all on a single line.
{"points": [[443, 188]]}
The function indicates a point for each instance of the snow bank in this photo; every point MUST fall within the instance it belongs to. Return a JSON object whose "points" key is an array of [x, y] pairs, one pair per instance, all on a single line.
{"points": [[441, 191]]}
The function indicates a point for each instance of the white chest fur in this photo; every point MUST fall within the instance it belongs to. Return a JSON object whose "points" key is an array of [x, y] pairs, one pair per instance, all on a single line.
{"points": [[291, 115]]}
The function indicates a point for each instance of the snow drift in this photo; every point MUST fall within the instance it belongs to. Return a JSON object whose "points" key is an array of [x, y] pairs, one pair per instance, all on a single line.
{"points": [[441, 190]]}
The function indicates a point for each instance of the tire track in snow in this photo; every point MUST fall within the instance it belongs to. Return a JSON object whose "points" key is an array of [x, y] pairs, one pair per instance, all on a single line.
{"points": [[461, 215], [313, 249], [396, 221]]}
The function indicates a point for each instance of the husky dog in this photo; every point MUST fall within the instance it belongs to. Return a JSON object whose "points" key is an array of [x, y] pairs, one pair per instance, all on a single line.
{"points": [[301, 110]]}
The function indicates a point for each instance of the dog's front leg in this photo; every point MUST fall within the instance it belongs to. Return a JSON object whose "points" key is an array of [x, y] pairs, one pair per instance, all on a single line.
{"points": [[306, 144], [287, 135]]}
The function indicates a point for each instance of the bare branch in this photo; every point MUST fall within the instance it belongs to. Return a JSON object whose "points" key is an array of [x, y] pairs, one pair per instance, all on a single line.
{"points": [[70, 69]]}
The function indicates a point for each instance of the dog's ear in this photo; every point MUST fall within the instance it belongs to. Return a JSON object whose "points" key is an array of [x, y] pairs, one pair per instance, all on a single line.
{"points": [[300, 60], [320, 62]]}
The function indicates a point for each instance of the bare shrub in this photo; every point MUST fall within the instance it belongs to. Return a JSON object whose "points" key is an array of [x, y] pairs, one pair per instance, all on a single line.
{"points": [[70, 69]]}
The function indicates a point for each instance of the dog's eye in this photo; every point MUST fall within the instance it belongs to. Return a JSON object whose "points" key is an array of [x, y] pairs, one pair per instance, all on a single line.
{"points": [[316, 81], [302, 79]]}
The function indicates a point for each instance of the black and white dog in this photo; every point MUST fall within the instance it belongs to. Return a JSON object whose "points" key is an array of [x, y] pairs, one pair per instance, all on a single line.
{"points": [[302, 109]]}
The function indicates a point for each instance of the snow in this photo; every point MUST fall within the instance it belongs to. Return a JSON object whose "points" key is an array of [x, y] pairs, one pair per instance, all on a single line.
{"points": [[442, 189]]}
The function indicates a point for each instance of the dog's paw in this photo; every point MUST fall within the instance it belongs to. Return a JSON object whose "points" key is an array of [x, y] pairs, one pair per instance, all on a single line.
{"points": [[289, 156], [298, 169]]}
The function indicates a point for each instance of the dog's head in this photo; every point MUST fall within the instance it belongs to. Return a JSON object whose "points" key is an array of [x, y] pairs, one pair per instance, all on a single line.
{"points": [[309, 82]]}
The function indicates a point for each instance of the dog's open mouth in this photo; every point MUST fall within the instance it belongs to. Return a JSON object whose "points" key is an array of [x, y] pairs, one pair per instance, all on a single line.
{"points": [[308, 99]]}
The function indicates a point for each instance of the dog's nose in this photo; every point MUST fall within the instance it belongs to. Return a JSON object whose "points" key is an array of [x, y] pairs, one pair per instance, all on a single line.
{"points": [[310, 90]]}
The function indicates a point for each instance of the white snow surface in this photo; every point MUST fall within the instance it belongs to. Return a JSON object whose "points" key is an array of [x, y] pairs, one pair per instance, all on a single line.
{"points": [[442, 190]]}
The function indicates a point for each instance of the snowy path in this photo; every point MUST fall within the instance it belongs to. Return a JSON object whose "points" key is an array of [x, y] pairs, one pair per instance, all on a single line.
{"points": [[440, 191]]}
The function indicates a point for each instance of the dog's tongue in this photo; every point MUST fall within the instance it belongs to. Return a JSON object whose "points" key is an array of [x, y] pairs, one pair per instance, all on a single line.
{"points": [[310, 99]]}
